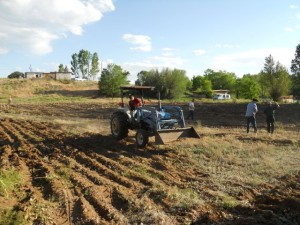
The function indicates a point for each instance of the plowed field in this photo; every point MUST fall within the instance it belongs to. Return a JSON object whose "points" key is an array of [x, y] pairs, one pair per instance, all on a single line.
{"points": [[71, 176]]}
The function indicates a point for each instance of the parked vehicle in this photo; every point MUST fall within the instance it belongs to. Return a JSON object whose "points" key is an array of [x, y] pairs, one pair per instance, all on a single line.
{"points": [[81, 79], [221, 96]]}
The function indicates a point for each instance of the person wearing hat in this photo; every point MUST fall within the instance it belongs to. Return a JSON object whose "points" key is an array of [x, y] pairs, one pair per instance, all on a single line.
{"points": [[270, 116], [250, 114]]}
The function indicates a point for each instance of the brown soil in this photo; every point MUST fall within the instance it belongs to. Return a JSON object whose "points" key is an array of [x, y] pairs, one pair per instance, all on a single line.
{"points": [[89, 178]]}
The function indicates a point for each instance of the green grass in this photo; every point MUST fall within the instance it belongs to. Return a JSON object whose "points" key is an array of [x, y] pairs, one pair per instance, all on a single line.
{"points": [[9, 180], [12, 217]]}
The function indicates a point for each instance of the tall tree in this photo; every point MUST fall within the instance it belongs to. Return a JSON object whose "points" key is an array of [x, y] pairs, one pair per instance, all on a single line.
{"points": [[152, 78], [61, 68], [202, 84], [66, 69], [111, 79], [94, 66], [75, 65], [275, 78], [221, 79], [295, 69], [170, 83], [248, 87], [175, 82], [84, 59]]}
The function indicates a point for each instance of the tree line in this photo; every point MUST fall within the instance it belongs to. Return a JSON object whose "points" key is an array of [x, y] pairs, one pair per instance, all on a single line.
{"points": [[273, 81]]}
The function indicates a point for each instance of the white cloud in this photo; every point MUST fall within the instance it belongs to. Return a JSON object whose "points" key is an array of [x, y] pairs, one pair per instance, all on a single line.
{"points": [[167, 52], [251, 61], [288, 29], [34, 24], [199, 52], [3, 50], [142, 42], [298, 15], [293, 6], [226, 46]]}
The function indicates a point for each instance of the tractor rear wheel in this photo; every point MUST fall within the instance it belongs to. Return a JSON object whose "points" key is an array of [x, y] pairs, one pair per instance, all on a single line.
{"points": [[141, 138], [119, 125]]}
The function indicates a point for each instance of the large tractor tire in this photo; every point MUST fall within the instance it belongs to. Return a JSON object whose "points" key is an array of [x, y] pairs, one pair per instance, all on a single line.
{"points": [[119, 125], [141, 138]]}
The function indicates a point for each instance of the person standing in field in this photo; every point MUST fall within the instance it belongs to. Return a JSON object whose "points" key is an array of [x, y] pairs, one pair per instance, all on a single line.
{"points": [[191, 109], [250, 114], [9, 100], [270, 116]]}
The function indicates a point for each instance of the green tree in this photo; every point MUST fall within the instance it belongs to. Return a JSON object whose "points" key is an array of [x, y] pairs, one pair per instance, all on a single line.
{"points": [[61, 68], [84, 58], [75, 65], [111, 79], [152, 78], [295, 69], [202, 84], [66, 69], [221, 79], [170, 83], [16, 74], [94, 66], [248, 87], [275, 78], [175, 82]]}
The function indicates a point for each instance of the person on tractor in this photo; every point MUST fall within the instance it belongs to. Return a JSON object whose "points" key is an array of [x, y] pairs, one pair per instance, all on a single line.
{"points": [[133, 104]]}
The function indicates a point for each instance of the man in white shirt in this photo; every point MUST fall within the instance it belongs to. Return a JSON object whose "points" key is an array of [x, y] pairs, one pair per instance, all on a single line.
{"points": [[250, 114], [191, 109]]}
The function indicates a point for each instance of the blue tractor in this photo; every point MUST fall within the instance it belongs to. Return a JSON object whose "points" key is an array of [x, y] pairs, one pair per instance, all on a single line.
{"points": [[165, 123]]}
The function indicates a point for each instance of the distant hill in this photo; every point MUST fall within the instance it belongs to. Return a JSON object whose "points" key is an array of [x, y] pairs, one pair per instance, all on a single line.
{"points": [[22, 88]]}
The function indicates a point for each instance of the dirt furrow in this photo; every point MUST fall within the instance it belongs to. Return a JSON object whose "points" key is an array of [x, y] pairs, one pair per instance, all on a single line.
{"points": [[40, 171], [105, 166], [99, 197]]}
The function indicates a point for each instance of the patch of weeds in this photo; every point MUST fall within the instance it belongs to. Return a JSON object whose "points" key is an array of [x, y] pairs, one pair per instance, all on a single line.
{"points": [[225, 201], [38, 213], [64, 173], [86, 192], [12, 217], [229, 202], [144, 172], [9, 180], [183, 198]]}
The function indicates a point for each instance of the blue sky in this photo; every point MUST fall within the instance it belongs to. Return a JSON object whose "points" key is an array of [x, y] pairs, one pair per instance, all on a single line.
{"points": [[192, 35]]}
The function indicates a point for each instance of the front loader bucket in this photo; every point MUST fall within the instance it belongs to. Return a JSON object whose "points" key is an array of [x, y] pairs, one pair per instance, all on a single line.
{"points": [[169, 135]]}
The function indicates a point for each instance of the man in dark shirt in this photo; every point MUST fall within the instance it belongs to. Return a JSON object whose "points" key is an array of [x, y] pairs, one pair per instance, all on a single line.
{"points": [[270, 116]]}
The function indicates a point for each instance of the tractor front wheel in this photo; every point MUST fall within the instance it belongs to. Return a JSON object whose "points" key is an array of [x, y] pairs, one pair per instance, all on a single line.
{"points": [[141, 138]]}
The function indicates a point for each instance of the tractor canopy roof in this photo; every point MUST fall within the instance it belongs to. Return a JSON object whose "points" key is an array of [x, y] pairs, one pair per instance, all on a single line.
{"points": [[137, 88]]}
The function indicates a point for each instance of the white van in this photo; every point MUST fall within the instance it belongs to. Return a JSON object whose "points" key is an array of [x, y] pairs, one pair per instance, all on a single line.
{"points": [[221, 96]]}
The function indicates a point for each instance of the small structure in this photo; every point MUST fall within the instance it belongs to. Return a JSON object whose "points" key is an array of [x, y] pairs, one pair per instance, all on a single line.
{"points": [[32, 75], [51, 75], [287, 99]]}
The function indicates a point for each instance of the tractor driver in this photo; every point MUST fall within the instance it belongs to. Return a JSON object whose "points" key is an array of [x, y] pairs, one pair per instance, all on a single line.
{"points": [[134, 103]]}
